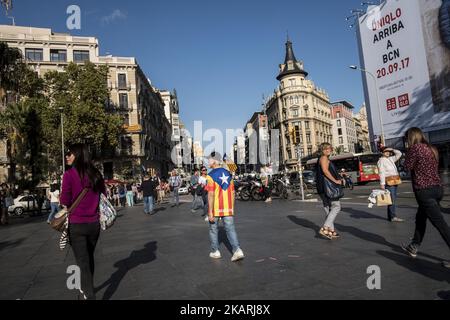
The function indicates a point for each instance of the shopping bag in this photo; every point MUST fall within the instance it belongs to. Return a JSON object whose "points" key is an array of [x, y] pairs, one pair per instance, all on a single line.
{"points": [[384, 199]]}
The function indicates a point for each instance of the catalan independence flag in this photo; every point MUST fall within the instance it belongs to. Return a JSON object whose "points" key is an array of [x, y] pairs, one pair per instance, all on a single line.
{"points": [[221, 183]]}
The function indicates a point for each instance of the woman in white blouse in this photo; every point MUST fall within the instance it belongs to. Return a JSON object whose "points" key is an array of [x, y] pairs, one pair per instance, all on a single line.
{"points": [[390, 178]]}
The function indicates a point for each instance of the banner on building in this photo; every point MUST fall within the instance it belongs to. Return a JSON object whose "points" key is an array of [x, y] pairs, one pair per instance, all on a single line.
{"points": [[403, 44]]}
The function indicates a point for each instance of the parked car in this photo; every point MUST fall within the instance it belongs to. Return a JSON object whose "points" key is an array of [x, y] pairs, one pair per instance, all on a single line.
{"points": [[309, 178], [183, 190], [26, 204]]}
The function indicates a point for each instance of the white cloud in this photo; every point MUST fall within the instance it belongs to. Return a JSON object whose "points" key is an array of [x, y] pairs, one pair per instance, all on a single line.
{"points": [[114, 16]]}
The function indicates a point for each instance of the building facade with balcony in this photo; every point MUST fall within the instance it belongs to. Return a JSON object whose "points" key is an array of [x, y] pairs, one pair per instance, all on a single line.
{"points": [[172, 114], [344, 130], [146, 142], [297, 103], [362, 129]]}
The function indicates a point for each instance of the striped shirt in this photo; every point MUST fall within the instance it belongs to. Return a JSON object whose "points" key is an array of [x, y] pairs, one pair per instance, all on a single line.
{"points": [[221, 183]]}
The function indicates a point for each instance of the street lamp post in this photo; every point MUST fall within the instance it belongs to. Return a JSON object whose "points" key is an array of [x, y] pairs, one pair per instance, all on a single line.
{"points": [[61, 109], [378, 99], [299, 153]]}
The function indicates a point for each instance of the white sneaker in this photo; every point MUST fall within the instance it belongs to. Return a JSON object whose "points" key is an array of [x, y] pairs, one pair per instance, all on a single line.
{"points": [[215, 255], [238, 255]]}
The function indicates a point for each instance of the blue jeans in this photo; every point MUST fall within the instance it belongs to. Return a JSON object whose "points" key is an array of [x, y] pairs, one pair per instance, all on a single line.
{"points": [[148, 204], [391, 209], [130, 198], [54, 207], [176, 197], [230, 230]]}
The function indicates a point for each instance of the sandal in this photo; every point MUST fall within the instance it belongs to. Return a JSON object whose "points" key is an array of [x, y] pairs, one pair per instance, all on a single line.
{"points": [[334, 234], [325, 232]]}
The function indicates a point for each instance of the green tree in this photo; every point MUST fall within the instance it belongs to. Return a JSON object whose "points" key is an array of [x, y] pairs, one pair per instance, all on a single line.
{"points": [[20, 122], [80, 94], [10, 66]]}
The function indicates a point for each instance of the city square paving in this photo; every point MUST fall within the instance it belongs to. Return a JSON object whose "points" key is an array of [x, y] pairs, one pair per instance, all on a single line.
{"points": [[165, 256]]}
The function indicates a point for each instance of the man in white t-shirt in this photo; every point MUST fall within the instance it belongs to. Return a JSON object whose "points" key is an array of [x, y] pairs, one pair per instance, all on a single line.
{"points": [[53, 196]]}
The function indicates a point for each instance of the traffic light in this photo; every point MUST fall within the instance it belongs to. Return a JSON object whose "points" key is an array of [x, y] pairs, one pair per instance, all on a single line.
{"points": [[294, 132], [297, 134]]}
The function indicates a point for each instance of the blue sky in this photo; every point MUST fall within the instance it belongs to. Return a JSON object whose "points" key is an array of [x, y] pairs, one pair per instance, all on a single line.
{"points": [[221, 56]]}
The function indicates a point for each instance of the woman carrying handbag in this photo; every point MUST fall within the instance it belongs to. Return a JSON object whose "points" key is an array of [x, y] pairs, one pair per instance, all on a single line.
{"points": [[390, 178], [330, 189], [84, 220]]}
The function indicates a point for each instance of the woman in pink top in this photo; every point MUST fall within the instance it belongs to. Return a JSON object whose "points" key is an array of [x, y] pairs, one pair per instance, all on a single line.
{"points": [[84, 226]]}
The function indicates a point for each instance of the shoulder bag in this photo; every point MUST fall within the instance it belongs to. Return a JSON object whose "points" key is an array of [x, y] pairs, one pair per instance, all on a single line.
{"points": [[60, 221], [393, 180], [107, 213], [332, 190]]}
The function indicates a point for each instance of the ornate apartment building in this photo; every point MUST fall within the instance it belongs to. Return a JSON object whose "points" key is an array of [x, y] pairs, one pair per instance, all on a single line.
{"points": [[297, 103], [147, 141]]}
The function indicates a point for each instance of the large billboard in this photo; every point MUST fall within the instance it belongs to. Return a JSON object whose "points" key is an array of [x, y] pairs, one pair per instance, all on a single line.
{"points": [[403, 48]]}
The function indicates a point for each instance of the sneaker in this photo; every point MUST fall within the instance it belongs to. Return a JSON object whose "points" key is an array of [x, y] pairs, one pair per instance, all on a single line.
{"points": [[410, 249], [215, 255], [268, 200], [446, 264], [238, 255], [193, 211], [206, 219], [397, 220]]}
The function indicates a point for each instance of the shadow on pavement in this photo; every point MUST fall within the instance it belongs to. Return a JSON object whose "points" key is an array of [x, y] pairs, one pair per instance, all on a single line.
{"points": [[136, 258], [375, 238], [13, 221], [223, 239], [426, 268], [8, 244], [357, 214], [444, 295], [306, 224], [159, 209]]}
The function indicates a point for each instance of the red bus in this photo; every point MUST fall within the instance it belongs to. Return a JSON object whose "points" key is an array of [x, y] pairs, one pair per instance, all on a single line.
{"points": [[361, 167]]}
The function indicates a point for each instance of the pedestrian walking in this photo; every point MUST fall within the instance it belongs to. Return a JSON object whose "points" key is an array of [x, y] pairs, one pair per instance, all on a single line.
{"points": [[3, 207], [175, 184], [130, 196], [203, 182], [53, 196], [390, 178], [194, 186], [40, 199], [220, 187], [327, 176], [422, 160], [134, 188], [122, 195], [84, 225], [115, 192], [264, 176], [148, 189], [161, 191]]}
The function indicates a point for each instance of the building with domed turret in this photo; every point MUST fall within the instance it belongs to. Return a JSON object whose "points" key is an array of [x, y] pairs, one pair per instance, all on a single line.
{"points": [[298, 104]]}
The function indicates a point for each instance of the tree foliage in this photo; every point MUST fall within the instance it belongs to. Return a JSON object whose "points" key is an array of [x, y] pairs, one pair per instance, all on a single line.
{"points": [[31, 123]]}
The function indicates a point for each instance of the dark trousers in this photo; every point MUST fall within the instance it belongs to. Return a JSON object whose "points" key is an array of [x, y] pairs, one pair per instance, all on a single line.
{"points": [[429, 208], [83, 239]]}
